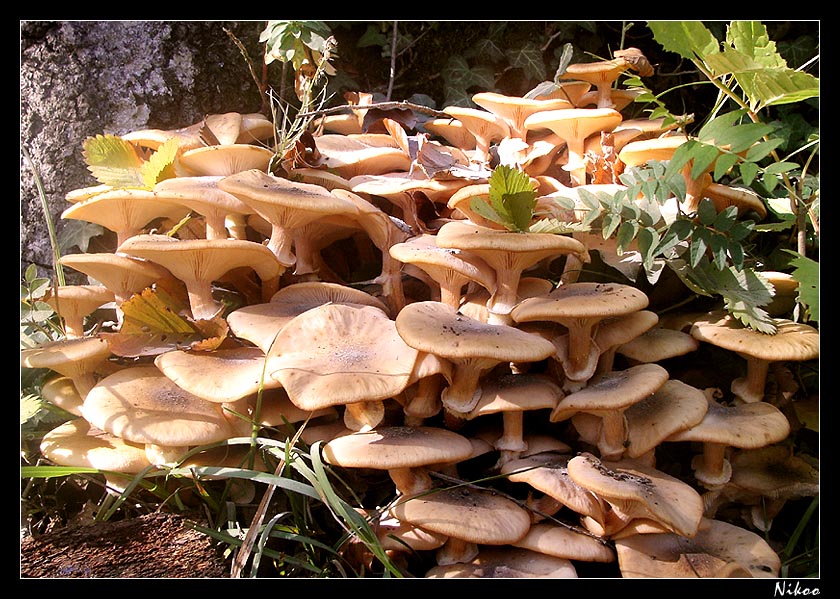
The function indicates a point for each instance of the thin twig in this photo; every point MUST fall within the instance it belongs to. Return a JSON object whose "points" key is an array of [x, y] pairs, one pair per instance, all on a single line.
{"points": [[382, 105], [392, 74]]}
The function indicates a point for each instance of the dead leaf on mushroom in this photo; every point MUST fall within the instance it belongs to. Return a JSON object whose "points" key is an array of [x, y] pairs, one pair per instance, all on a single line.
{"points": [[153, 324], [638, 61]]}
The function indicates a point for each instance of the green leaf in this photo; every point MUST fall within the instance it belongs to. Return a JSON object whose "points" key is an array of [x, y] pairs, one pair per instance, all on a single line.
{"points": [[751, 38], [520, 206], [483, 209], [698, 247], [687, 38], [718, 244], [807, 275], [161, 164], [529, 58], [762, 149], [780, 167], [706, 212], [557, 227], [626, 233], [113, 161], [723, 164], [748, 172]]}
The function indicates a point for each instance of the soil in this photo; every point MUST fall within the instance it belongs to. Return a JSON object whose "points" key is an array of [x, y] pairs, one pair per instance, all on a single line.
{"points": [[150, 546]]}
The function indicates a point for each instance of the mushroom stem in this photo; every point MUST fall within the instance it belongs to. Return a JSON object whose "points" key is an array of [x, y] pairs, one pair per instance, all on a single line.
{"points": [[512, 443], [410, 481], [579, 364], [463, 393], [456, 551], [750, 389], [237, 226], [613, 435], [202, 304], [363, 416], [425, 402], [711, 468], [280, 243]]}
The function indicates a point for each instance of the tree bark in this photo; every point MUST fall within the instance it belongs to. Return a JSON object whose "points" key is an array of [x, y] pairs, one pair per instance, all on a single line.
{"points": [[85, 78]]}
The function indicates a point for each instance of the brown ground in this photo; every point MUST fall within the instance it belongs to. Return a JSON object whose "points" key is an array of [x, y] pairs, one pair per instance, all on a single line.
{"points": [[150, 546]]}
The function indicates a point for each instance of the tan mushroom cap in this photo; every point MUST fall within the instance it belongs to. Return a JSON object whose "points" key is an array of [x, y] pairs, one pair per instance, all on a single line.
{"points": [[402, 450], [637, 153], [76, 358], [508, 253], [477, 516], [743, 198], [60, 391], [512, 395], [140, 404], [548, 473], [199, 262], [611, 391], [674, 407], [506, 562], [717, 550], [223, 160], [637, 491], [220, 376], [473, 346], [349, 156], [573, 126], [260, 323], [580, 307], [792, 341], [74, 302], [745, 426], [560, 541], [76, 443], [124, 275], [601, 74], [485, 126], [514, 109], [615, 331], [450, 268], [201, 194], [340, 354], [658, 344], [452, 130], [286, 204], [126, 212], [774, 472]]}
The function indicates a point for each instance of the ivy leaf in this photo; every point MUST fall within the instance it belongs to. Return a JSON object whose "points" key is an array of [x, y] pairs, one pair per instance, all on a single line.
{"points": [[113, 161], [529, 58]]}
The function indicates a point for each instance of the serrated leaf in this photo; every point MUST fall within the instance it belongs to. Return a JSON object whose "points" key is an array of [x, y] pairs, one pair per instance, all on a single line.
{"points": [[112, 161], [807, 275], [483, 209], [557, 227], [751, 38], [744, 292], [686, 38], [718, 244], [161, 164], [520, 206]]}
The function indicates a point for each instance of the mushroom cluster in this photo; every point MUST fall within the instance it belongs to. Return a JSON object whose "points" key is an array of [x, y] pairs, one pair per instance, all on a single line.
{"points": [[417, 339]]}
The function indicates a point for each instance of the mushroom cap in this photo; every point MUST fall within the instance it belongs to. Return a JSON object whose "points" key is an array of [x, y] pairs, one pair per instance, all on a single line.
{"points": [[203, 259], [452, 130], [388, 447], [76, 443], [507, 562], [674, 407], [349, 156], [124, 211], [222, 160], [221, 376], [611, 391], [583, 300], [200, 193], [121, 273], [260, 323], [74, 302], [548, 473], [516, 393], [474, 515], [658, 344], [337, 354], [140, 404], [497, 246], [793, 341], [638, 491], [746, 426], [598, 72], [575, 123], [436, 328], [641, 151], [60, 391], [282, 201], [718, 549], [483, 124], [71, 357], [618, 330], [515, 109], [774, 472], [560, 541]]}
